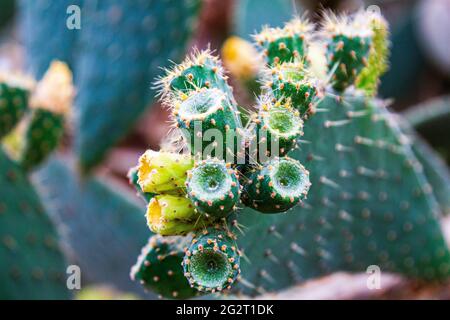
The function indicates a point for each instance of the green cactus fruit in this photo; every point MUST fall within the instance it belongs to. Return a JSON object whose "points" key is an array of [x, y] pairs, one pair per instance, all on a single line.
{"points": [[213, 188], [348, 43], [200, 70], [278, 186], [285, 44], [277, 127], [43, 134], [209, 123], [369, 204], [103, 222], [212, 262], [133, 178], [158, 268], [170, 215], [50, 102], [46, 22], [292, 83], [14, 92], [32, 265], [377, 64], [163, 172]]}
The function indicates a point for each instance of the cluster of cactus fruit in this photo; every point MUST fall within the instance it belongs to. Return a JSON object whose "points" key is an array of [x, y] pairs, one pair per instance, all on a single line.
{"points": [[31, 126], [317, 109]]}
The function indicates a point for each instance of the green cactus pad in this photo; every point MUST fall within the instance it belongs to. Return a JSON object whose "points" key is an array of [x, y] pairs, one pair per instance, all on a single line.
{"points": [[158, 268], [277, 125], [213, 188], [291, 83], [209, 123], [13, 103], [211, 263], [285, 44], [103, 222], [369, 204], [32, 265], [173, 215], [133, 180], [43, 134], [278, 186], [200, 70]]}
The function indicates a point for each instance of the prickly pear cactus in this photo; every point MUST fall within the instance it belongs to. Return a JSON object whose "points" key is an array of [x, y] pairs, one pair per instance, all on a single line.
{"points": [[32, 265], [339, 171]]}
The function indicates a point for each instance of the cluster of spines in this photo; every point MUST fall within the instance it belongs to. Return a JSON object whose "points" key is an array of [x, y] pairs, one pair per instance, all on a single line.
{"points": [[158, 268], [212, 261], [213, 187]]}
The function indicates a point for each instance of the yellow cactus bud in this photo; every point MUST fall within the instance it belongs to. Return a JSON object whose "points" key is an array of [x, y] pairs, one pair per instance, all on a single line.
{"points": [[241, 58]]}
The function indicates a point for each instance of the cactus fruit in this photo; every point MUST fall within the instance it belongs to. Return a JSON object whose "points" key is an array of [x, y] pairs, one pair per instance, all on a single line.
{"points": [[348, 42], [50, 103], [285, 44], [172, 215], [32, 265], [163, 172], [14, 92], [208, 120], [212, 261], [291, 82], [214, 188], [278, 186], [158, 268], [369, 203], [277, 127], [133, 179]]}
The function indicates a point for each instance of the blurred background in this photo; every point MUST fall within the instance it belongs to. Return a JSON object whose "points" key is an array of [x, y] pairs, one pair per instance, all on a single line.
{"points": [[128, 59]]}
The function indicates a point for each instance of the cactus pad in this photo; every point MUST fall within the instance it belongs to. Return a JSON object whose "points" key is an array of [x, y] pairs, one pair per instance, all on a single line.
{"points": [[214, 188], [159, 268]]}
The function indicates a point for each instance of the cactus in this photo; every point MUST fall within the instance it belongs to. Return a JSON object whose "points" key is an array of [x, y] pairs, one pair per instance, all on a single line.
{"points": [[158, 268], [50, 103], [211, 263], [348, 42], [214, 188], [172, 215], [14, 92], [369, 201]]}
